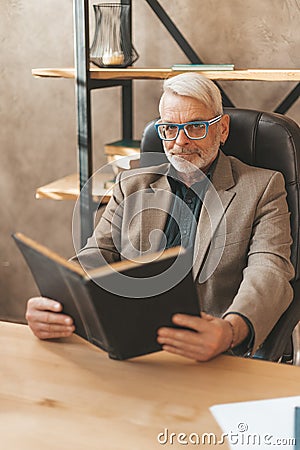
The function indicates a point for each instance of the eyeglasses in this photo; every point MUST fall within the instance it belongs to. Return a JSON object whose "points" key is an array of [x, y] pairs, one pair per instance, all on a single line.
{"points": [[193, 130]]}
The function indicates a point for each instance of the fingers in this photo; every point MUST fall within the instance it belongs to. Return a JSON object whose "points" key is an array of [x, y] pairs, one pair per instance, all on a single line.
{"points": [[43, 303], [45, 320], [184, 352], [208, 337], [52, 331], [207, 317], [51, 318], [181, 342], [178, 336], [188, 321]]}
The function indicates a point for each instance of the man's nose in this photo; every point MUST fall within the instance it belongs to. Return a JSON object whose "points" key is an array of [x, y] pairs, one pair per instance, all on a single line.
{"points": [[182, 138]]}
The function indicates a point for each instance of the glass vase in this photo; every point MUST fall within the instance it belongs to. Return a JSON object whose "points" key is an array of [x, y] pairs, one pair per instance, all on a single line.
{"points": [[112, 45]]}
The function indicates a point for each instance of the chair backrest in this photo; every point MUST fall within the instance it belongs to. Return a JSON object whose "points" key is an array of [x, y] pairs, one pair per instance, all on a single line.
{"points": [[271, 141]]}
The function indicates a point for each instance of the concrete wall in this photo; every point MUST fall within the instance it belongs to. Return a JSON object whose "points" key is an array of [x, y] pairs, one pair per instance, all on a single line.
{"points": [[37, 117]]}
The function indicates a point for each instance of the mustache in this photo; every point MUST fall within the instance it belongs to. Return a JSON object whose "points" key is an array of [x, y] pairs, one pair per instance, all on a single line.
{"points": [[181, 150]]}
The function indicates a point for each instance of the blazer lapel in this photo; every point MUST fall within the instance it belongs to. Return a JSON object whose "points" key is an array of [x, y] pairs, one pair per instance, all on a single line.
{"points": [[156, 203], [212, 216]]}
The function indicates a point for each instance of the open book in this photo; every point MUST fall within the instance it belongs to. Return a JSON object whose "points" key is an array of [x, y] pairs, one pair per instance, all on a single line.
{"points": [[123, 326]]}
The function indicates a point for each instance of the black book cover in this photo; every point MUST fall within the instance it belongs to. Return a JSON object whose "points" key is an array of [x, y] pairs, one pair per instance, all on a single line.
{"points": [[123, 326]]}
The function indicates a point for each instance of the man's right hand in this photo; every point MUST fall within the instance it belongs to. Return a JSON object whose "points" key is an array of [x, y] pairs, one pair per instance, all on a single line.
{"points": [[45, 319]]}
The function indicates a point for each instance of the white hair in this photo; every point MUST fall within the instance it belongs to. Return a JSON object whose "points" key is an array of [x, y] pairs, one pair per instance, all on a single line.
{"points": [[192, 84]]}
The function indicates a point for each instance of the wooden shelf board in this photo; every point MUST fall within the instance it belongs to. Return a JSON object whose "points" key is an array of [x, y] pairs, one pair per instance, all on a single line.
{"points": [[144, 73], [124, 147], [67, 188]]}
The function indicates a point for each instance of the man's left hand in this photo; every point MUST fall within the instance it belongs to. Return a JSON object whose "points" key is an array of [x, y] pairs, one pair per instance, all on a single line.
{"points": [[209, 336]]}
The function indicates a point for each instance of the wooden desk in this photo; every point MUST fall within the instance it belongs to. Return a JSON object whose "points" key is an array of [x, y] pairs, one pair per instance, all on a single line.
{"points": [[69, 395]]}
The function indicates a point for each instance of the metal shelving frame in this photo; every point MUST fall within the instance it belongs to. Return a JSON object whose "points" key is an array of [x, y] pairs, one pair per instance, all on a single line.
{"points": [[84, 85]]}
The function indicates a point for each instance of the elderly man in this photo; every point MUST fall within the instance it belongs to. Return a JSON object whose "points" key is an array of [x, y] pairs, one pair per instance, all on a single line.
{"points": [[243, 295]]}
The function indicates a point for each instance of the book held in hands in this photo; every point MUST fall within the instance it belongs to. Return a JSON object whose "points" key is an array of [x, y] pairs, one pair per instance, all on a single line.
{"points": [[124, 326]]}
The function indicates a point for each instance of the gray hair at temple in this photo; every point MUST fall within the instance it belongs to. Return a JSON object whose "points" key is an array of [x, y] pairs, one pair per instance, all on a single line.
{"points": [[197, 86]]}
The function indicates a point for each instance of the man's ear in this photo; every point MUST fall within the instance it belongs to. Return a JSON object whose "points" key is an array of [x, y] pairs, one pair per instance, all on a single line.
{"points": [[224, 122]]}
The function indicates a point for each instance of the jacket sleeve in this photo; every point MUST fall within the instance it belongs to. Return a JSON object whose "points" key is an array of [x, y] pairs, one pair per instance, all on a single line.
{"points": [[265, 291]]}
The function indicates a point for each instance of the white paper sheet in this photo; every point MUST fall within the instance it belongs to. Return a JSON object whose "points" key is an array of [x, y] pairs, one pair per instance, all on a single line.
{"points": [[262, 424]]}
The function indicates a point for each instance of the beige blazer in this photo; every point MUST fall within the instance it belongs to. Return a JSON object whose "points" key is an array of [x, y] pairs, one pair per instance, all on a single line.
{"points": [[242, 247]]}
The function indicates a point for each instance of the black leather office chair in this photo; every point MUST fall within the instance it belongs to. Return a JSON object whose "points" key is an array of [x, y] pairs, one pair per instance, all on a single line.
{"points": [[271, 141]]}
